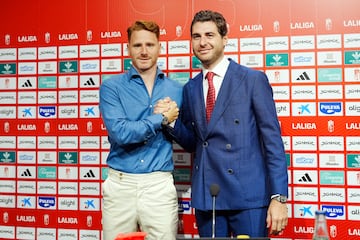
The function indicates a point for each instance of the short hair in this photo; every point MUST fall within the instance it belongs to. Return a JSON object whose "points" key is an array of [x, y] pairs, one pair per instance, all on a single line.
{"points": [[212, 16], [144, 25]]}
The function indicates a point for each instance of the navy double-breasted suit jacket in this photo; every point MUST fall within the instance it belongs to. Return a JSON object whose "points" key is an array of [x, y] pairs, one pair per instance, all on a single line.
{"points": [[240, 149]]}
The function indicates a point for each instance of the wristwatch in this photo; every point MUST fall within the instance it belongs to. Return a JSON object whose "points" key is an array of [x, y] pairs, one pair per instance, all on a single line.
{"points": [[165, 120], [280, 198]]}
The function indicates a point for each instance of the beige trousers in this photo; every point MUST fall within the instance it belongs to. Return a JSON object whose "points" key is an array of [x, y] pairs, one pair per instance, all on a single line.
{"points": [[146, 201]]}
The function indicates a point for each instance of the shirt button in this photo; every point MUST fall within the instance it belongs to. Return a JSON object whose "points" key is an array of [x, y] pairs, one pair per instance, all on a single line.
{"points": [[142, 160], [228, 146], [230, 171], [205, 144]]}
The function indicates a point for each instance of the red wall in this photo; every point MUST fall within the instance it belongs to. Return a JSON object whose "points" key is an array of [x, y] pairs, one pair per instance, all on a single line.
{"points": [[50, 179]]}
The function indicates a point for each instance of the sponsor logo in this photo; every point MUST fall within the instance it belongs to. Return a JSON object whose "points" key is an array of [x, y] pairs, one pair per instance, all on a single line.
{"points": [[46, 202], [330, 108]]}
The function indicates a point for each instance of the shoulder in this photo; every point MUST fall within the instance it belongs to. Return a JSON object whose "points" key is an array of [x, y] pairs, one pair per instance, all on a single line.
{"points": [[114, 80]]}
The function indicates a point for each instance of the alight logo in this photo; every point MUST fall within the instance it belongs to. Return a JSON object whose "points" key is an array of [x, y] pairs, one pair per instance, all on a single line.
{"points": [[354, 214], [353, 160], [8, 68], [7, 157], [68, 66], [7, 201], [282, 109], [67, 203]]}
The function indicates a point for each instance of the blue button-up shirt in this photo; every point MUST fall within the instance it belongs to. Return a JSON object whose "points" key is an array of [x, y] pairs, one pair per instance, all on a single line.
{"points": [[137, 141]]}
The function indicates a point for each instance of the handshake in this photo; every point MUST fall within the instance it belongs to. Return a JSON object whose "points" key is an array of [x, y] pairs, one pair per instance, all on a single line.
{"points": [[168, 108]]}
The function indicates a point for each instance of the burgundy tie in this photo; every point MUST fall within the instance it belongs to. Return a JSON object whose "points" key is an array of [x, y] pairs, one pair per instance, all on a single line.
{"points": [[210, 99]]}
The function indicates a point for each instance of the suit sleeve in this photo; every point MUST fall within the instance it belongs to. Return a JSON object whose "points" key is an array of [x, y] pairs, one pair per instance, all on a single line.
{"points": [[270, 134]]}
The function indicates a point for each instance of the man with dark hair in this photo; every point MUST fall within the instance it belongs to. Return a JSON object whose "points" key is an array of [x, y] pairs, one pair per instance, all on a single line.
{"points": [[229, 120], [139, 191]]}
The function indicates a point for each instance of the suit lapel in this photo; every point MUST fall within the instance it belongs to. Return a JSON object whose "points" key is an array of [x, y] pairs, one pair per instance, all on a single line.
{"points": [[228, 90], [198, 104]]}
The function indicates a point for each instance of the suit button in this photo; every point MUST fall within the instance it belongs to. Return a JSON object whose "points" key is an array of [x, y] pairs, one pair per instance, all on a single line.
{"points": [[230, 171], [205, 144]]}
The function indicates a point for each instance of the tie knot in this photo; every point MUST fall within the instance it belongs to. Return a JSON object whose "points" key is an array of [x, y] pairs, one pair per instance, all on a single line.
{"points": [[209, 76]]}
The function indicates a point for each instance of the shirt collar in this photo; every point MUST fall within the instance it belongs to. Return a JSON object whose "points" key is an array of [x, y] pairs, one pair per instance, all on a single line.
{"points": [[134, 74], [220, 69]]}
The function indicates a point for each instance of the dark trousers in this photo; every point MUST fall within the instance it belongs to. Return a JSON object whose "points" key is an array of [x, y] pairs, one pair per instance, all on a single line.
{"points": [[229, 223]]}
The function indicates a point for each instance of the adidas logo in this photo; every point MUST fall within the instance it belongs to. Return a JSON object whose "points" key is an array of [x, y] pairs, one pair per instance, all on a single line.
{"points": [[305, 178], [89, 174], [89, 82], [26, 173], [303, 76], [27, 83]]}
